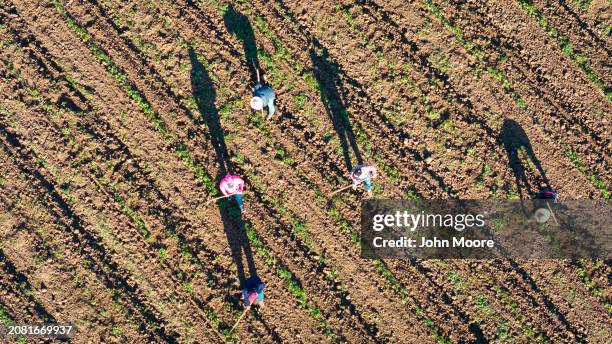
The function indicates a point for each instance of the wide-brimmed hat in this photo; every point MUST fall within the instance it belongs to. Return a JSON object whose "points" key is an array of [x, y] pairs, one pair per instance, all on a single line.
{"points": [[256, 103]]}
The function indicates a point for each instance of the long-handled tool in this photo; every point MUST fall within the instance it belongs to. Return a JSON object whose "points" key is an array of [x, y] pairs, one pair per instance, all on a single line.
{"points": [[346, 187], [552, 213], [218, 198], [242, 316], [258, 80], [256, 71]]}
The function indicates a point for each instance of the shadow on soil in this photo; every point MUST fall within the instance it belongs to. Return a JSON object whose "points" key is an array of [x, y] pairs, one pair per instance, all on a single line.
{"points": [[238, 25], [233, 224], [269, 329], [205, 95], [515, 142], [8, 268], [101, 263], [326, 74]]}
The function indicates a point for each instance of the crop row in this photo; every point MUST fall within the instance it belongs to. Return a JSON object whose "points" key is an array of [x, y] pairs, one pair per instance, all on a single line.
{"points": [[333, 211], [480, 54], [110, 189], [64, 196], [205, 64], [477, 289], [566, 47], [186, 157], [498, 75]]}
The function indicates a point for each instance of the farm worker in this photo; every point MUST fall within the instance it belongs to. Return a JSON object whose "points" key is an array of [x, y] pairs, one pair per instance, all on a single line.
{"points": [[545, 196], [253, 291], [232, 185], [546, 193], [263, 95], [364, 174]]}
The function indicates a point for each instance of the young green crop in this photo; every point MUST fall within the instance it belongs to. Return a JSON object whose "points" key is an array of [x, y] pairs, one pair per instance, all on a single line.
{"points": [[566, 46]]}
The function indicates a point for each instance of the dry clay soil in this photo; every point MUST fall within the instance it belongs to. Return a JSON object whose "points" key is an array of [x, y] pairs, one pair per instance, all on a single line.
{"points": [[118, 118]]}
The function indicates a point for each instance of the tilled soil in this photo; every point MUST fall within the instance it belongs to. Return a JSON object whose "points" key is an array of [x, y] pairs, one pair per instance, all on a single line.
{"points": [[118, 116]]}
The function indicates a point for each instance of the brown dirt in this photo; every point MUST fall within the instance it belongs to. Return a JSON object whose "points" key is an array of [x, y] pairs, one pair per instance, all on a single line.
{"points": [[104, 225]]}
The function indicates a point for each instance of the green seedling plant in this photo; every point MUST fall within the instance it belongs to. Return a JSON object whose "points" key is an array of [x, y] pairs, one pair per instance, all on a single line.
{"points": [[5, 319], [505, 83], [591, 285], [125, 208], [334, 213], [497, 74], [566, 46], [593, 178], [182, 151]]}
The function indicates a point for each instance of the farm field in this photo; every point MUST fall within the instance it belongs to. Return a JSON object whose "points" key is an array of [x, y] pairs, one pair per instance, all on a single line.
{"points": [[119, 118]]}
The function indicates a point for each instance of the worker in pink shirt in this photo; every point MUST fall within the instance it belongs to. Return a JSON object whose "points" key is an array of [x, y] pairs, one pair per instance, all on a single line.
{"points": [[364, 174], [232, 186]]}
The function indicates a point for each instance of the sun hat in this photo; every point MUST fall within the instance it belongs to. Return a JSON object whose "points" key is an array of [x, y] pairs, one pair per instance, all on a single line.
{"points": [[256, 103]]}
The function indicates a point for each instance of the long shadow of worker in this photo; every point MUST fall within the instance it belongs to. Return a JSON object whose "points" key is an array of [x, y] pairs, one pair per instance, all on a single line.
{"points": [[238, 24], [233, 224], [326, 75], [517, 145], [205, 95]]}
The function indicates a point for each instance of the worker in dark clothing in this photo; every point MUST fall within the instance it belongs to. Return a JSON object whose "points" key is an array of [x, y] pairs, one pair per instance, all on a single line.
{"points": [[546, 193], [252, 292], [544, 202]]}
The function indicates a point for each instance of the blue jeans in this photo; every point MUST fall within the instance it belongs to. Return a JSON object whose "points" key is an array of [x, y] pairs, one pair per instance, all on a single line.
{"points": [[367, 183], [238, 198]]}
